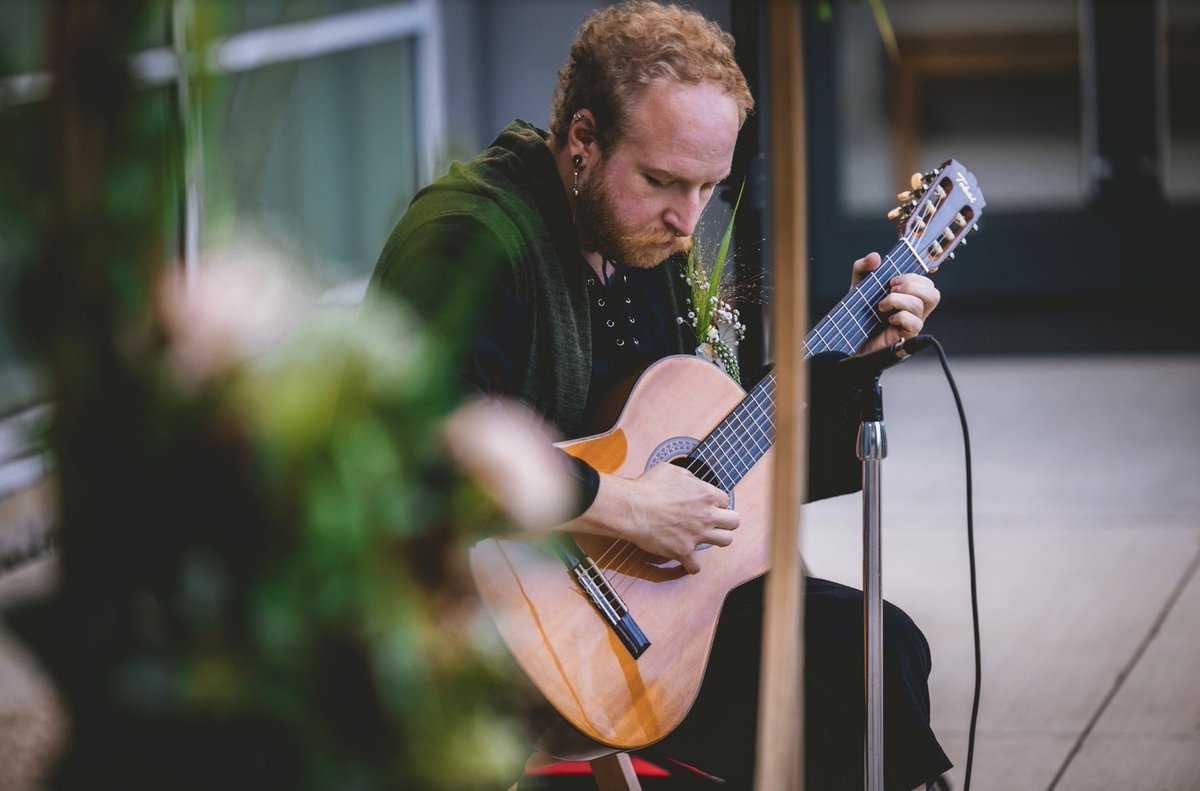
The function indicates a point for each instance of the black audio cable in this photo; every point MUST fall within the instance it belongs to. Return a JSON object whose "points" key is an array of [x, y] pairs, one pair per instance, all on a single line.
{"points": [[962, 417]]}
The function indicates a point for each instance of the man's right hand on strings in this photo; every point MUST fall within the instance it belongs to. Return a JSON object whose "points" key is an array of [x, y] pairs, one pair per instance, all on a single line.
{"points": [[666, 511]]}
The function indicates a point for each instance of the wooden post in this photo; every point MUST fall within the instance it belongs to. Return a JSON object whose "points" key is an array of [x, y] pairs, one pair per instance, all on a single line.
{"points": [[615, 773], [780, 720]]}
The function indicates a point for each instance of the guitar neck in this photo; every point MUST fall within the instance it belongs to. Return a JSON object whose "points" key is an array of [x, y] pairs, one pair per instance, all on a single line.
{"points": [[746, 433], [854, 319]]}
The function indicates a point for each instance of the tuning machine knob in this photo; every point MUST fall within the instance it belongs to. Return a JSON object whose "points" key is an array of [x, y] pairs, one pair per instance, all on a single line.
{"points": [[922, 180], [903, 211], [911, 195]]}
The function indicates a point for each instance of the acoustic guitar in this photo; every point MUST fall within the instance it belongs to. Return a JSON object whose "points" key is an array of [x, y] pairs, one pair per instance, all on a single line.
{"points": [[616, 639]]}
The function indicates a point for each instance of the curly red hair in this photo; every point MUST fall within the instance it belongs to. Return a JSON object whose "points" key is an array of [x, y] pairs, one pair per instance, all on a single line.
{"points": [[620, 50]]}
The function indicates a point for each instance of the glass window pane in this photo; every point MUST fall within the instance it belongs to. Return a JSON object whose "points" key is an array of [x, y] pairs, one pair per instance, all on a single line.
{"points": [[320, 155]]}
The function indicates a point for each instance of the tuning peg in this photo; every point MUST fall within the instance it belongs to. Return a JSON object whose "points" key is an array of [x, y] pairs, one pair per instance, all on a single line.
{"points": [[948, 235], [960, 220], [950, 255], [935, 250], [974, 228], [940, 193], [902, 211], [921, 180]]}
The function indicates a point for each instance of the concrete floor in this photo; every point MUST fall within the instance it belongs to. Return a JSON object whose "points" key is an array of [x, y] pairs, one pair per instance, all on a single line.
{"points": [[1087, 528], [1087, 542]]}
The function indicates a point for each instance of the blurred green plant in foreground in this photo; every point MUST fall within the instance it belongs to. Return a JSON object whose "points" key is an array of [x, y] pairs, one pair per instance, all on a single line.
{"points": [[262, 539], [359, 634]]}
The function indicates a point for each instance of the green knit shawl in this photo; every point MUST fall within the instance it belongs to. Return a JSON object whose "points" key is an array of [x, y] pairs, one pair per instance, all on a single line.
{"points": [[505, 215]]}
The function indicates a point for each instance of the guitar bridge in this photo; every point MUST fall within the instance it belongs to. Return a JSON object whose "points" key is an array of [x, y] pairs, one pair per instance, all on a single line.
{"points": [[603, 596]]}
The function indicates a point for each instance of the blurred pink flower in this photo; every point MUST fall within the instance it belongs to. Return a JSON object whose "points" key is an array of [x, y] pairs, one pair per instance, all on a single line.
{"points": [[242, 302], [507, 448]]}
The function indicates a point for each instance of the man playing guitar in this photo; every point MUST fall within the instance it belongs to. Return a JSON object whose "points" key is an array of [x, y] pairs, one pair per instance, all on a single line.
{"points": [[554, 244]]}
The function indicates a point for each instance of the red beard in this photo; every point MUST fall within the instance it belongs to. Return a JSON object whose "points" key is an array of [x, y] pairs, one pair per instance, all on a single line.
{"points": [[599, 229]]}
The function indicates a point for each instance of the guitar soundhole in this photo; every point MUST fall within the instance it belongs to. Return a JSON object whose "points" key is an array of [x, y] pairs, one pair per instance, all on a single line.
{"points": [[701, 470]]}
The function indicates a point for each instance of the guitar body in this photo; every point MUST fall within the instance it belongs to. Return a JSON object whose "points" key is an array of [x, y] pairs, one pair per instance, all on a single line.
{"points": [[556, 634]]}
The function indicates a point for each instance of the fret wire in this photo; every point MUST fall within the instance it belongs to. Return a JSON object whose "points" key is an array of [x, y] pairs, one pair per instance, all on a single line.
{"points": [[751, 427], [721, 434], [737, 449], [698, 471], [734, 452], [857, 325], [730, 474], [716, 461]]}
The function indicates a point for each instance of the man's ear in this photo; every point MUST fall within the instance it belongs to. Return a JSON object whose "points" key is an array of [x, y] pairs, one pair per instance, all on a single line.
{"points": [[581, 135]]}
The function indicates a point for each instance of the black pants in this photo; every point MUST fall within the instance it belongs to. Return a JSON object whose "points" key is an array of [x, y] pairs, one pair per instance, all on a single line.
{"points": [[718, 734]]}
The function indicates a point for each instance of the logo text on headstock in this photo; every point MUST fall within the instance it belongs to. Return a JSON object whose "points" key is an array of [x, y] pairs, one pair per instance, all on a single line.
{"points": [[962, 182]]}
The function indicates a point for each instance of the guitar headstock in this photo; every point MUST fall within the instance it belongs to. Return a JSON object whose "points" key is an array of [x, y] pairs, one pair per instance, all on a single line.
{"points": [[939, 211]]}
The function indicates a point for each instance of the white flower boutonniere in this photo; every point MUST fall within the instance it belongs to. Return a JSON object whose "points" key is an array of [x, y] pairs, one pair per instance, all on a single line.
{"points": [[717, 325]]}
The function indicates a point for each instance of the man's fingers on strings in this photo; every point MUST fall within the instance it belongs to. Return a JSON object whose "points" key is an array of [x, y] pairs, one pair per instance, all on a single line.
{"points": [[690, 563], [868, 263], [907, 324], [719, 497], [920, 287], [719, 538], [896, 303], [726, 519], [863, 267]]}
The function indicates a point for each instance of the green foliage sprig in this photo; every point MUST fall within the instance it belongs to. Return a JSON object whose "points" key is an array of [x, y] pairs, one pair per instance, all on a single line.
{"points": [[711, 315]]}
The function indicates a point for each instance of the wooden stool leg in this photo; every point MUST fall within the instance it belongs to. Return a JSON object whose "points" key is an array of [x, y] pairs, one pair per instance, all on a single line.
{"points": [[614, 772]]}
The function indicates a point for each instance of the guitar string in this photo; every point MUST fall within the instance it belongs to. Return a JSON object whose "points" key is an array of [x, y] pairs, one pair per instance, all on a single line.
{"points": [[733, 431]]}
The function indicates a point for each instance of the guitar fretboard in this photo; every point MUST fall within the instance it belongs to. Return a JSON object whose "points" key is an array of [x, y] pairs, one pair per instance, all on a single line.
{"points": [[746, 433]]}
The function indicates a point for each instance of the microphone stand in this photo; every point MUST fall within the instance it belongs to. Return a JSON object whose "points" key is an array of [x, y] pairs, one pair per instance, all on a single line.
{"points": [[872, 449], [863, 372]]}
